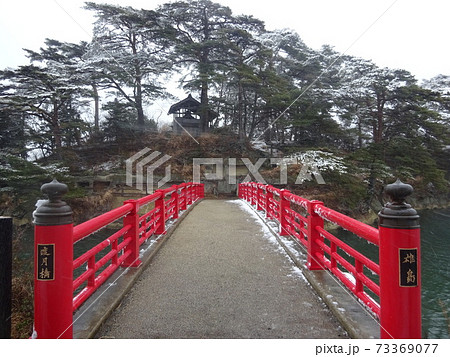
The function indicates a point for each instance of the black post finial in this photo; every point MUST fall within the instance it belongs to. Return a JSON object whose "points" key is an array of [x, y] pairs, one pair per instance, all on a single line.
{"points": [[398, 214], [398, 191], [54, 211], [54, 190]]}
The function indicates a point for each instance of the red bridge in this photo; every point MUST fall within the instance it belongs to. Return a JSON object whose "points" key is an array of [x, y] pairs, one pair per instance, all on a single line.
{"points": [[386, 291]]}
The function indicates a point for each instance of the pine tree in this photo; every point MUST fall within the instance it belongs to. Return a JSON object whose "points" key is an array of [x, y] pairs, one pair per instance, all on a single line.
{"points": [[47, 93], [201, 44], [128, 53]]}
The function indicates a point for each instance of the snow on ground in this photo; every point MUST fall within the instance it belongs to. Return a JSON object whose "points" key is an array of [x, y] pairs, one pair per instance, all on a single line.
{"points": [[324, 161], [289, 244], [269, 236]]}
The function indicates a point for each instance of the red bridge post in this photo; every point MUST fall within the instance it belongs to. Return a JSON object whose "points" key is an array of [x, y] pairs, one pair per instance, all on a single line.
{"points": [[161, 205], [259, 196], [201, 190], [268, 204], [176, 197], [315, 253], [245, 191], [132, 219], [284, 205], [250, 193], [240, 191], [189, 193], [53, 265], [183, 196], [400, 276], [254, 194]]}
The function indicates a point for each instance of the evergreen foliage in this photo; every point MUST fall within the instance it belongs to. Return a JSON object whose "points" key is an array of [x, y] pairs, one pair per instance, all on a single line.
{"points": [[265, 85]]}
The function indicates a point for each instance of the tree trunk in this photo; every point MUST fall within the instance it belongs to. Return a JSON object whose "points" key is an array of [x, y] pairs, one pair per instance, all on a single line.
{"points": [[138, 84], [378, 122], [140, 110], [96, 106], [204, 107], [360, 143], [204, 112], [56, 130], [378, 135], [204, 76], [241, 130]]}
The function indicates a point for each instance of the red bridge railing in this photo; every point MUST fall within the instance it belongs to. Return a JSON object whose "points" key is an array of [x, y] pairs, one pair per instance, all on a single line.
{"points": [[390, 288], [57, 293], [395, 299]]}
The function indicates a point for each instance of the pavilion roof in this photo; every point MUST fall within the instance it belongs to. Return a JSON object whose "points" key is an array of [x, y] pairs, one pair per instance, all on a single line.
{"points": [[191, 104]]}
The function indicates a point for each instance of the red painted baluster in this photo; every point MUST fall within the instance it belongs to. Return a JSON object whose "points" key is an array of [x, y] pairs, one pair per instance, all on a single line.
{"points": [[359, 287], [189, 193], [91, 267], [176, 197], [170, 207], [202, 190], [160, 204], [183, 197], [284, 205], [197, 191], [269, 198], [333, 251], [244, 188], [259, 197], [193, 192]]}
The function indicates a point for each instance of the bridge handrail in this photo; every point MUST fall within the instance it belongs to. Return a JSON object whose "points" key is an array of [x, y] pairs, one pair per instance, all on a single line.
{"points": [[120, 249], [303, 220], [348, 223], [84, 229], [149, 199], [293, 223], [130, 207]]}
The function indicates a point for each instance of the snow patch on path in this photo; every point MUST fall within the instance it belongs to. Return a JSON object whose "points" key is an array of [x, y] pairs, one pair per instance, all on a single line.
{"points": [[268, 235]]}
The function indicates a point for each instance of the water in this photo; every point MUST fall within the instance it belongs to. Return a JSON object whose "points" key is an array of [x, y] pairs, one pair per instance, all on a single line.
{"points": [[435, 244], [435, 249]]}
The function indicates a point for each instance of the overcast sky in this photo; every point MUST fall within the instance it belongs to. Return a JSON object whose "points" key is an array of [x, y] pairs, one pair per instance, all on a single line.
{"points": [[411, 34]]}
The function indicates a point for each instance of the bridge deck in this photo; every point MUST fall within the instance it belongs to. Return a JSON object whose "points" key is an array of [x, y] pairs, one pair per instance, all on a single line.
{"points": [[221, 275]]}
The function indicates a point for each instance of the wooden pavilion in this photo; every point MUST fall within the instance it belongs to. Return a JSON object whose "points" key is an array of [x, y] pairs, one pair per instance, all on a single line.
{"points": [[186, 116]]}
